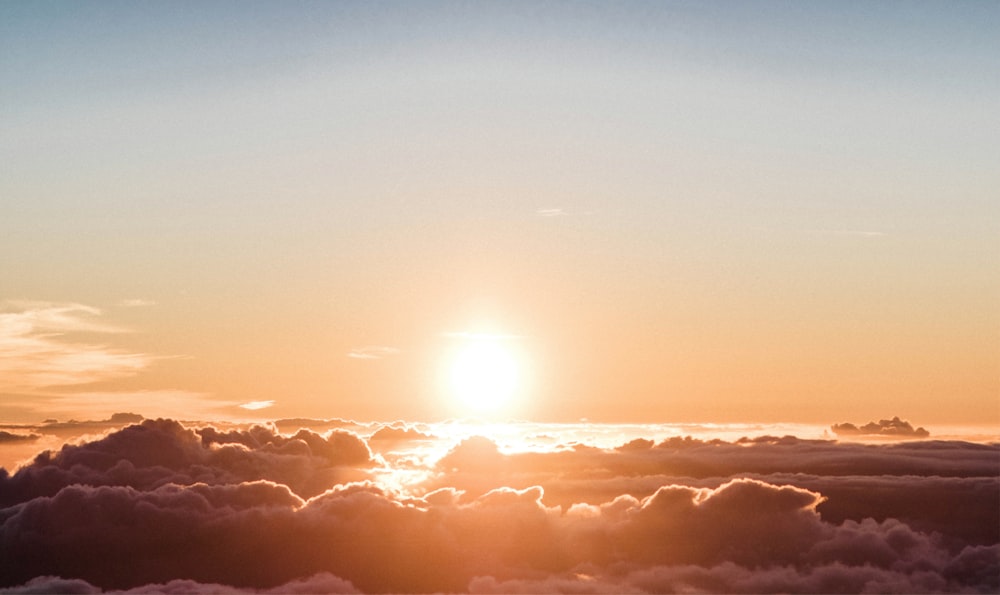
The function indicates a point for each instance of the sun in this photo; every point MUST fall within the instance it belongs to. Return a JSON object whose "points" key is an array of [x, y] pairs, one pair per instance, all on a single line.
{"points": [[484, 374]]}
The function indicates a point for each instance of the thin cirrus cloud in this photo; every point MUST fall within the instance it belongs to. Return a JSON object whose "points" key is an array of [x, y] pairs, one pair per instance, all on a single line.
{"points": [[49, 361], [136, 303], [372, 352], [863, 233], [35, 352]]}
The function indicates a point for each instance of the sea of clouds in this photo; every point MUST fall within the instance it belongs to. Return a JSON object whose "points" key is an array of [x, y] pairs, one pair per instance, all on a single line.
{"points": [[307, 506]]}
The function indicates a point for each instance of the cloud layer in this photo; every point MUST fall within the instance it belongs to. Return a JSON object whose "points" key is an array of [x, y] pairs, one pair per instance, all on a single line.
{"points": [[161, 507]]}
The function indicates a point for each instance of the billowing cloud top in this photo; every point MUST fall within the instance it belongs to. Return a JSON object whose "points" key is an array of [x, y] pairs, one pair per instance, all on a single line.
{"points": [[894, 427], [162, 507]]}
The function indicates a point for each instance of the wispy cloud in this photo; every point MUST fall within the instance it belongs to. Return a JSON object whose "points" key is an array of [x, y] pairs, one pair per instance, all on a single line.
{"points": [[847, 232], [52, 316], [35, 352], [136, 303], [46, 364], [550, 212], [255, 405], [372, 352]]}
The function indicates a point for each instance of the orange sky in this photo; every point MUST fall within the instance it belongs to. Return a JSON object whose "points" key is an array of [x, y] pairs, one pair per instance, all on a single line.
{"points": [[676, 215]]}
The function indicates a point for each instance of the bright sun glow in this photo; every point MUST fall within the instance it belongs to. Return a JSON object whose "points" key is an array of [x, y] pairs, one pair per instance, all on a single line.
{"points": [[484, 374]]}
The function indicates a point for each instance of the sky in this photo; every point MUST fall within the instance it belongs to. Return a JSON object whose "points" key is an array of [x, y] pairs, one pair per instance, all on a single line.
{"points": [[664, 212]]}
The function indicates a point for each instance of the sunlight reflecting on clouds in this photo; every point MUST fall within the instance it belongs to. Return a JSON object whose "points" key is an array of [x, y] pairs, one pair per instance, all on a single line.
{"points": [[498, 507], [411, 459]]}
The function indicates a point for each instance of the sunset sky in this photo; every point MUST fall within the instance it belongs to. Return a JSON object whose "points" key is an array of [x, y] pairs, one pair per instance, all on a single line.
{"points": [[648, 211], [499, 297]]}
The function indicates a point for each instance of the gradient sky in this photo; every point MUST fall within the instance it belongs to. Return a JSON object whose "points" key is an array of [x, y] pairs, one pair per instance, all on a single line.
{"points": [[736, 211]]}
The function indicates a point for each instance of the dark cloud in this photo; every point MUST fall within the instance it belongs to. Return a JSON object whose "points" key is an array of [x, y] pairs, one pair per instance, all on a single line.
{"points": [[118, 537], [160, 507], [156, 452], [12, 437], [963, 509], [53, 584], [948, 488], [714, 458], [74, 428], [323, 582], [890, 428]]}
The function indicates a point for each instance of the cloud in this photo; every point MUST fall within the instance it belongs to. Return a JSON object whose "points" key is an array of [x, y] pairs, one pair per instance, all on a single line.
{"points": [[164, 507], [297, 423], [550, 212], [949, 487], [323, 582], [479, 458], [156, 452], [6, 436], [372, 352], [893, 428], [847, 232], [398, 432], [136, 303], [34, 352], [255, 405], [79, 428], [46, 365], [25, 317], [153, 403]]}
